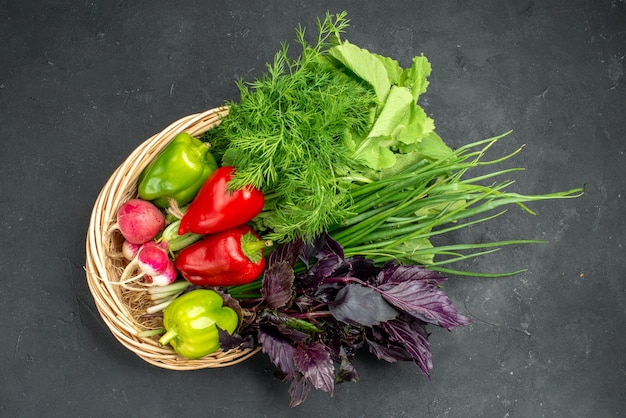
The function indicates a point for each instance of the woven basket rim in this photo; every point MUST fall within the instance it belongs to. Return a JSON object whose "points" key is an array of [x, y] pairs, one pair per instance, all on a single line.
{"points": [[102, 271]]}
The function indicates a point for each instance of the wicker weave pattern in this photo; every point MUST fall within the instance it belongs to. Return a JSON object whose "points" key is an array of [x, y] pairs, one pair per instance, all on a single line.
{"points": [[121, 308]]}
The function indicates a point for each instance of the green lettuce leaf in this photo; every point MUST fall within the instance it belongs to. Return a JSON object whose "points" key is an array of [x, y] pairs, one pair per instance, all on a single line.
{"points": [[430, 146], [394, 113], [375, 151], [410, 247], [416, 77], [364, 65], [401, 126], [415, 126], [394, 70]]}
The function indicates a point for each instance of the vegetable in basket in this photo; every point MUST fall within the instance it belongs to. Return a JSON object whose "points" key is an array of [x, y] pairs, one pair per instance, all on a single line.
{"points": [[177, 172], [139, 221], [228, 258], [154, 265], [217, 208], [192, 321]]}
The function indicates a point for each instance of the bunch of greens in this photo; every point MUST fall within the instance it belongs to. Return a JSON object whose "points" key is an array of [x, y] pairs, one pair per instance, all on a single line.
{"points": [[311, 127], [357, 183], [338, 144], [284, 136], [397, 215], [373, 281], [311, 318]]}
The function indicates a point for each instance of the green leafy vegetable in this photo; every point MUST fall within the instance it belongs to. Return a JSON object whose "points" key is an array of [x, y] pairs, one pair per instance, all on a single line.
{"points": [[365, 65], [338, 305], [310, 127], [400, 124], [285, 136], [398, 214], [416, 77]]}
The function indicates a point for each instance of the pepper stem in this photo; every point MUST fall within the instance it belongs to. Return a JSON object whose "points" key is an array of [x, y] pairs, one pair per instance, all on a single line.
{"points": [[252, 246], [168, 336]]}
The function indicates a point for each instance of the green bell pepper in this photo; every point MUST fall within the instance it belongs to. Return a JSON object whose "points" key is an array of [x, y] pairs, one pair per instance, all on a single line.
{"points": [[178, 172], [191, 322]]}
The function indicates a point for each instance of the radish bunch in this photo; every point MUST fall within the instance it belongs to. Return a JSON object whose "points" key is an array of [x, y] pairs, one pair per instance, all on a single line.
{"points": [[139, 222]]}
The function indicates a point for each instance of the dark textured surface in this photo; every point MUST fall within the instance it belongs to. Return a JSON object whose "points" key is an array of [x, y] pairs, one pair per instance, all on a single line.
{"points": [[83, 83]]}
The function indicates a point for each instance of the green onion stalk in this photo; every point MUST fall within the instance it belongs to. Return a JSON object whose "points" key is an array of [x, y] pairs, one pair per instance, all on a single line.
{"points": [[396, 217]]}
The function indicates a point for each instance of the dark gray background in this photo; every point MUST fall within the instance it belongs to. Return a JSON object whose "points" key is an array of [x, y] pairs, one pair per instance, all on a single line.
{"points": [[82, 83]]}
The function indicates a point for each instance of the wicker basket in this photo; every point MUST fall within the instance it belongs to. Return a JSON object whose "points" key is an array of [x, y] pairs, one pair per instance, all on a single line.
{"points": [[122, 308]]}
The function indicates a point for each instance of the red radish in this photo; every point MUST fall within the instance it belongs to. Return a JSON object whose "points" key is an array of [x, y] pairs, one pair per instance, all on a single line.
{"points": [[152, 258], [130, 250], [166, 277], [154, 265], [139, 221]]}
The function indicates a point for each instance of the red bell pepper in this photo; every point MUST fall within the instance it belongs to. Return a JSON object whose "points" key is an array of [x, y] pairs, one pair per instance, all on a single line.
{"points": [[228, 258], [216, 208]]}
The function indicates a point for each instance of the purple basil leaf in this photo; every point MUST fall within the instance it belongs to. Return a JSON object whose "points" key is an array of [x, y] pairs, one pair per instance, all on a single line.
{"points": [[347, 372], [325, 267], [298, 390], [359, 267], [327, 292], [228, 341], [249, 342], [279, 351], [362, 268], [388, 352], [361, 305], [341, 337], [307, 280], [399, 273], [305, 302], [314, 362], [277, 283], [311, 249], [329, 258], [287, 252], [414, 338], [333, 247], [424, 301]]}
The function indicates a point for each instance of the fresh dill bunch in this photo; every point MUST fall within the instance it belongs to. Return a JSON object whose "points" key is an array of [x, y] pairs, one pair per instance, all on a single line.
{"points": [[286, 135]]}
